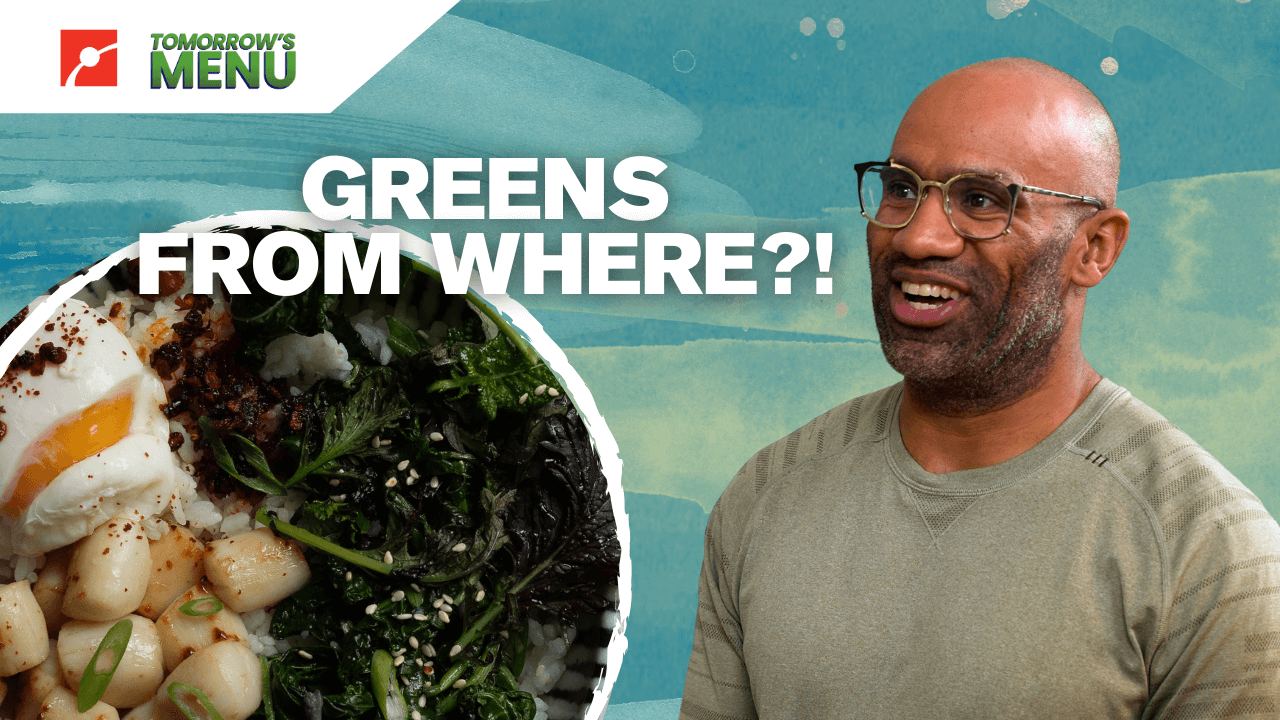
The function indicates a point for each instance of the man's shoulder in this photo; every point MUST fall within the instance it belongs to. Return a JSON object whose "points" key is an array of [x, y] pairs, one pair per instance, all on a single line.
{"points": [[862, 419], [1182, 483]]}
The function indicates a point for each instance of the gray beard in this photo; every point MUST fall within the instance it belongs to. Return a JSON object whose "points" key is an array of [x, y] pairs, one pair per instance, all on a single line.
{"points": [[1006, 351]]}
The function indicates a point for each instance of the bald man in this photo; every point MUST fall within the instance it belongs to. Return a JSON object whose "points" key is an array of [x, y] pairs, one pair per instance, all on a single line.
{"points": [[1004, 534]]}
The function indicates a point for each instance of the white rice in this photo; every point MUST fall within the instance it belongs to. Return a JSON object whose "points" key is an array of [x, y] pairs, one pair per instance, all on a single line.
{"points": [[545, 659], [306, 360], [375, 334]]}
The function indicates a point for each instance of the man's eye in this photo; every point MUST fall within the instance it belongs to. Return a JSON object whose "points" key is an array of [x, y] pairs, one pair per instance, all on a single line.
{"points": [[978, 200], [900, 190]]}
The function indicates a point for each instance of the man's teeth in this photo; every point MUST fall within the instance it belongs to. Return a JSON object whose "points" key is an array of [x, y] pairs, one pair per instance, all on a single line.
{"points": [[929, 290]]}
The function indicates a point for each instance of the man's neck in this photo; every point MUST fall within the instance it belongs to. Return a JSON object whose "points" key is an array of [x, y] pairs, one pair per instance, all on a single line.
{"points": [[943, 443]]}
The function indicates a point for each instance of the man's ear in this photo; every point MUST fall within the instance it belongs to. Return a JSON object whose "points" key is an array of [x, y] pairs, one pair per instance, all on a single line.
{"points": [[1105, 234]]}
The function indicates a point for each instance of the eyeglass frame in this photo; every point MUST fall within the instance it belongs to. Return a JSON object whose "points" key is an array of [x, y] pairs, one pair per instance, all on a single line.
{"points": [[945, 187]]}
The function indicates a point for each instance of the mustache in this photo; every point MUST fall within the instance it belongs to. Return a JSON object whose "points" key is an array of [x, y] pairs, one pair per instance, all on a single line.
{"points": [[974, 278]]}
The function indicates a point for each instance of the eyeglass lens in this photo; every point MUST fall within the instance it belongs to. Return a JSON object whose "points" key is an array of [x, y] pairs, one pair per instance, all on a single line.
{"points": [[979, 207]]}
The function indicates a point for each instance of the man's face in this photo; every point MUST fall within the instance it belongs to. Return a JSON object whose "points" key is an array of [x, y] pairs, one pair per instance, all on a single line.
{"points": [[975, 320]]}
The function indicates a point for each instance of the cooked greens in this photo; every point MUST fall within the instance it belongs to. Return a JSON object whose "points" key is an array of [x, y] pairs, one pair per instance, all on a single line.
{"points": [[449, 493]]}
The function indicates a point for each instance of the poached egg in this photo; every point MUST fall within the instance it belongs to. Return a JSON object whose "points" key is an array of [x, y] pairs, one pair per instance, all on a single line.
{"points": [[84, 437]]}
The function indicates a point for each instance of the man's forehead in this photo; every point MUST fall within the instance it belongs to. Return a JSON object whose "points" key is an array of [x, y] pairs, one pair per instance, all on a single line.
{"points": [[984, 121]]}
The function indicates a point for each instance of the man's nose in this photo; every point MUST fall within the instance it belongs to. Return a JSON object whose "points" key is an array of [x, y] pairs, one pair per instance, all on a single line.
{"points": [[930, 233]]}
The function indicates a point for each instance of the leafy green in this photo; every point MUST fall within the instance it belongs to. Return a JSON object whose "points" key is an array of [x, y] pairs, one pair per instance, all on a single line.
{"points": [[565, 523], [268, 484], [403, 341], [497, 704], [348, 428], [258, 459], [500, 375], [463, 460]]}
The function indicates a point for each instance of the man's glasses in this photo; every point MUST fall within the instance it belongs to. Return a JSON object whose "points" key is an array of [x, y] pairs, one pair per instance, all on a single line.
{"points": [[980, 207]]}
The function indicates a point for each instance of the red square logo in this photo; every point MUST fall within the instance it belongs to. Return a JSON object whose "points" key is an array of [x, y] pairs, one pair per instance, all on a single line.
{"points": [[89, 58]]}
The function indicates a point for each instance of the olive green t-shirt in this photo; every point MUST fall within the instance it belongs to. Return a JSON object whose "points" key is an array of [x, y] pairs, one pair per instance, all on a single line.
{"points": [[1114, 570]]}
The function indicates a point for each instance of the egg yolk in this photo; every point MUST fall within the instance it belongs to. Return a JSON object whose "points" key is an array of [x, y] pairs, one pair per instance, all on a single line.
{"points": [[73, 439]]}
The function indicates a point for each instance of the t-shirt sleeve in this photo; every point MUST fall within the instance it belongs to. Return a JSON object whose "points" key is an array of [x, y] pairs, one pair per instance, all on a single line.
{"points": [[716, 686], [1220, 653]]}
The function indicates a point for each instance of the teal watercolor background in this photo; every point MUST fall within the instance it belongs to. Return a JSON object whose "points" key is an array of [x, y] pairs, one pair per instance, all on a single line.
{"points": [[761, 133]]}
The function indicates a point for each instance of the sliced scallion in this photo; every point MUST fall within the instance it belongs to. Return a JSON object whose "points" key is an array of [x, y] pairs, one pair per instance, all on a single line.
{"points": [[178, 694], [94, 683], [191, 608], [386, 690]]}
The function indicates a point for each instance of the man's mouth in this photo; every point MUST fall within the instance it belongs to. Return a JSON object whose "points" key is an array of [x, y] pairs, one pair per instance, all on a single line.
{"points": [[926, 296], [924, 304]]}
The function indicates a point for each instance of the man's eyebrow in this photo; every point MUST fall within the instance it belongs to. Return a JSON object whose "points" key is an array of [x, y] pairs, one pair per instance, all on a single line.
{"points": [[950, 171]]}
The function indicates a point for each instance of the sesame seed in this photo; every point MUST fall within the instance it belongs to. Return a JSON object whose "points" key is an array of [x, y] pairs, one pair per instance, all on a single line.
{"points": [[435, 482], [444, 616], [399, 660], [419, 617], [391, 482], [415, 587], [422, 701], [460, 547], [371, 609], [403, 464], [404, 616], [460, 684], [416, 715], [384, 443], [523, 398], [305, 655], [376, 441], [387, 558], [333, 644], [397, 596], [447, 599], [413, 642], [437, 603], [427, 684], [348, 576], [480, 595], [553, 392], [455, 650], [398, 652], [505, 635], [540, 389], [419, 661], [436, 437], [335, 482], [413, 473], [409, 481], [447, 607], [431, 650]]}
